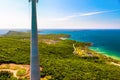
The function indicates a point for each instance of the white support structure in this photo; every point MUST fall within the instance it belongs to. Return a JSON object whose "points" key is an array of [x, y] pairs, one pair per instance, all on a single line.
{"points": [[34, 56], [35, 0]]}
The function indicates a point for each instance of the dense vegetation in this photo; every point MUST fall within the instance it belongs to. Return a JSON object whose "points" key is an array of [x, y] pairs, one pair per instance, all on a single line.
{"points": [[6, 75], [58, 60]]}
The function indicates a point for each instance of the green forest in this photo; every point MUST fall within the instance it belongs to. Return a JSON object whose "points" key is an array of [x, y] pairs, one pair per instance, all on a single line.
{"points": [[57, 57]]}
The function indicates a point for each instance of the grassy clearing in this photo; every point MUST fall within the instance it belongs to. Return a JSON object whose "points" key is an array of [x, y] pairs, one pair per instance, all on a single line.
{"points": [[21, 72]]}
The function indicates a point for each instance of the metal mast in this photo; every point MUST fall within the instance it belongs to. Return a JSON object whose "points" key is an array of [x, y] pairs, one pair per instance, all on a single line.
{"points": [[34, 57]]}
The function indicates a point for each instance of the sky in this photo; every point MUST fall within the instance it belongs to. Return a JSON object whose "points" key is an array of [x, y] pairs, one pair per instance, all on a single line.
{"points": [[61, 14]]}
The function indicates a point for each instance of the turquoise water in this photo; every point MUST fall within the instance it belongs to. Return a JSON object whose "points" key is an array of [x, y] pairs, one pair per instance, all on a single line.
{"points": [[105, 42], [106, 52]]}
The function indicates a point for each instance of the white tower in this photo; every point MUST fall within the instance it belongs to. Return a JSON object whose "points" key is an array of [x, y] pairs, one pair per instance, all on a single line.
{"points": [[34, 57]]}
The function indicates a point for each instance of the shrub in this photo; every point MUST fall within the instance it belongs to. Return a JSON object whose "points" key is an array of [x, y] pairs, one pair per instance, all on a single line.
{"points": [[21, 72], [4, 75]]}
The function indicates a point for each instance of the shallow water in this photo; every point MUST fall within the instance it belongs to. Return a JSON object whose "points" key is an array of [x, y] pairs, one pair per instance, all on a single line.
{"points": [[104, 41]]}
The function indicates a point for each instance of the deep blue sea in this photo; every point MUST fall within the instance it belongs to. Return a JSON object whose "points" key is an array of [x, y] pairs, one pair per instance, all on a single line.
{"points": [[105, 42]]}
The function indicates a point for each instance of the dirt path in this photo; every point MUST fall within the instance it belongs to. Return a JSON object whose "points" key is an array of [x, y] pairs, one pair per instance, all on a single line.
{"points": [[115, 63], [12, 71], [14, 68]]}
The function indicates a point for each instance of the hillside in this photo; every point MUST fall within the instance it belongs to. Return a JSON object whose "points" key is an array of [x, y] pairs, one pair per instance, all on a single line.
{"points": [[60, 60], [16, 33]]}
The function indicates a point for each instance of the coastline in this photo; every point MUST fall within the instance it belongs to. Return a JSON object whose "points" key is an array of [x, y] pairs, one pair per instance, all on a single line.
{"points": [[96, 49], [105, 52], [101, 51]]}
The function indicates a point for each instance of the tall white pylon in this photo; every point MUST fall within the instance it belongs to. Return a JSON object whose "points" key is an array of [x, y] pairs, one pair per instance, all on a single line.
{"points": [[34, 57]]}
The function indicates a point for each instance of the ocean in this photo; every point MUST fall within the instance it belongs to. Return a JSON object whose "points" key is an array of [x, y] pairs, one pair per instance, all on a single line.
{"points": [[105, 41]]}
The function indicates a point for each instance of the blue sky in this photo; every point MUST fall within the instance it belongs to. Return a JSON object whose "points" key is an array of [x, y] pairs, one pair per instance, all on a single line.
{"points": [[65, 14]]}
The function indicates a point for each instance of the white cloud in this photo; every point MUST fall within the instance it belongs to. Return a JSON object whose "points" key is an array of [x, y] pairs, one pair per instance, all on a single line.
{"points": [[91, 13], [81, 15], [68, 22], [94, 13]]}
